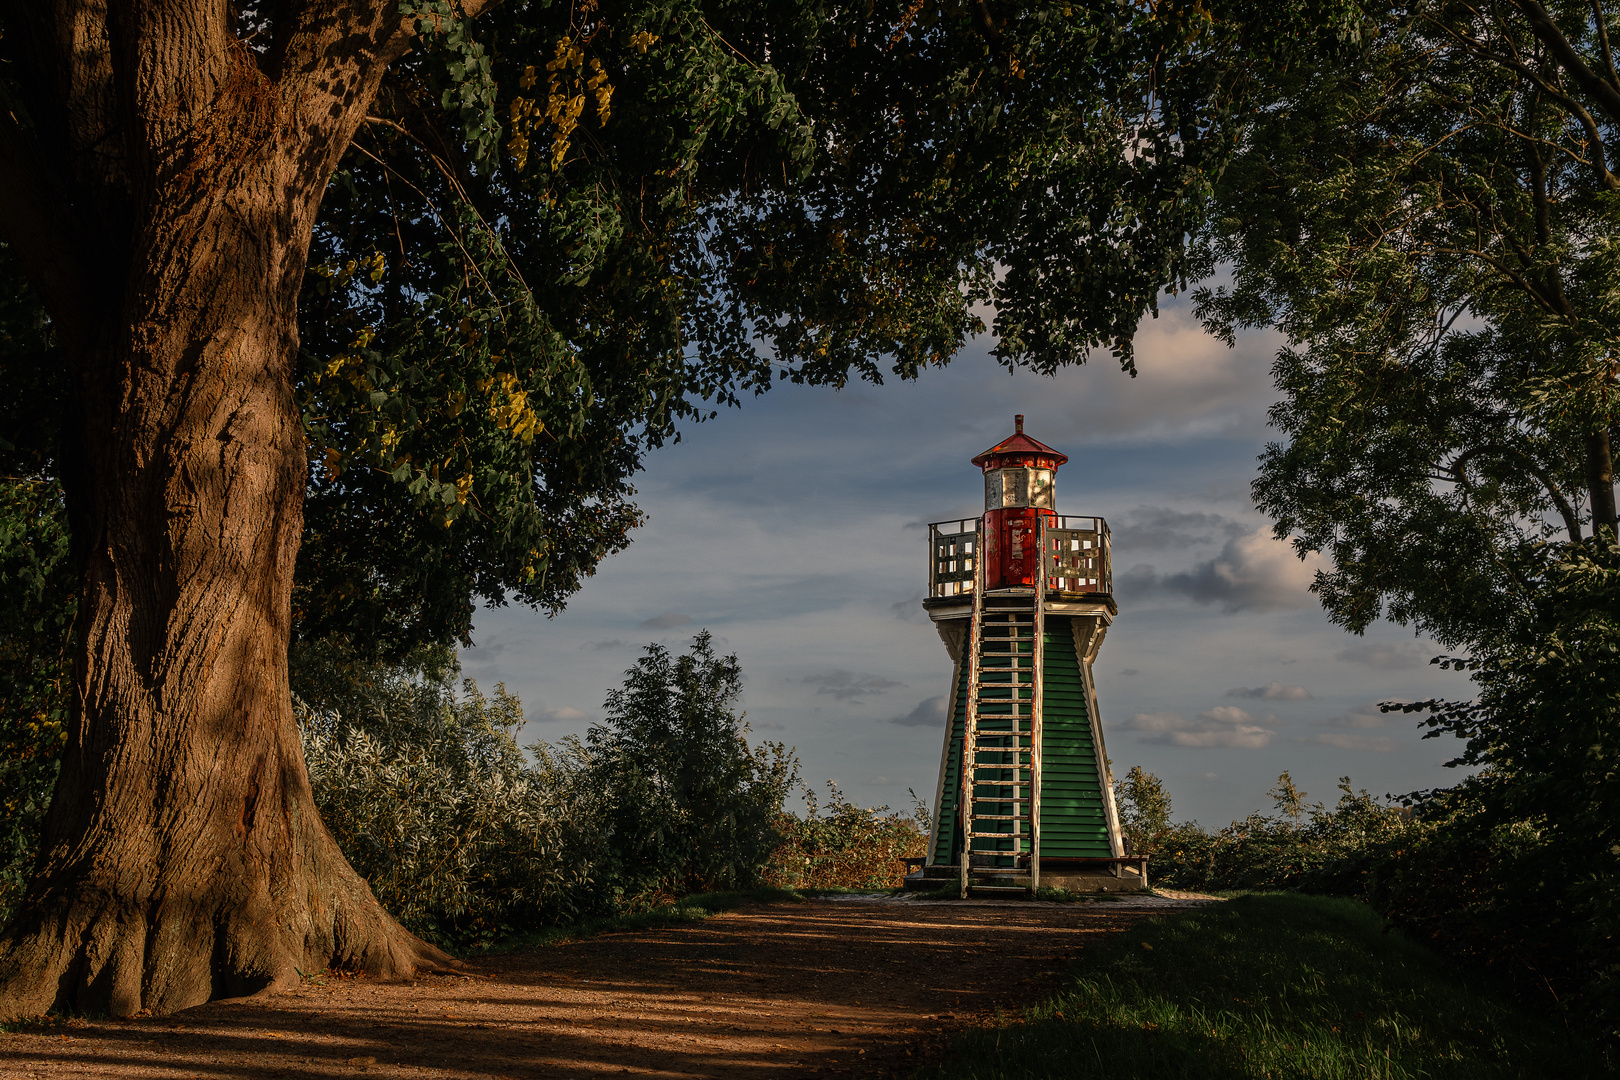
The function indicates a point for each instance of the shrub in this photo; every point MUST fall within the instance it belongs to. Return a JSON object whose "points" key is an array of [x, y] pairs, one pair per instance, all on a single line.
{"points": [[429, 797], [1507, 895], [1306, 848], [35, 668], [687, 804], [846, 846], [1508, 892], [1522, 867]]}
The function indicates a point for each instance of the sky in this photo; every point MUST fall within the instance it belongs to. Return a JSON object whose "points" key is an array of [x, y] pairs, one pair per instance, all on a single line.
{"points": [[794, 529]]}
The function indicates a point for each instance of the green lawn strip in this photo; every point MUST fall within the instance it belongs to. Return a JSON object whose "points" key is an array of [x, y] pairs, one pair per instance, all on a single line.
{"points": [[688, 909], [1271, 986], [944, 892], [1049, 895]]}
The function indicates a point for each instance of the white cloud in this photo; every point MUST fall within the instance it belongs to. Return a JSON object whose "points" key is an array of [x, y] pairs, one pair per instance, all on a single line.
{"points": [[564, 714], [1383, 657], [1256, 572], [1362, 716], [1227, 714], [1272, 691], [1160, 721], [930, 712], [1253, 572], [1189, 384], [1339, 739], [843, 685], [1223, 727], [667, 621]]}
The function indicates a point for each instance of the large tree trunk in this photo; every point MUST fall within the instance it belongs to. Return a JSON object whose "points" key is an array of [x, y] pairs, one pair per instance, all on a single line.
{"points": [[183, 858], [1600, 483]]}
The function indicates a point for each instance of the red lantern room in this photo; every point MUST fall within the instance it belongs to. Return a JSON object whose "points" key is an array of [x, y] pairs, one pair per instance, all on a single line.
{"points": [[1018, 489]]}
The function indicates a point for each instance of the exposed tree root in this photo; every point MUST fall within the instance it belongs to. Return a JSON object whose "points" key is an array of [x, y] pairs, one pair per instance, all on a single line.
{"points": [[83, 945]]}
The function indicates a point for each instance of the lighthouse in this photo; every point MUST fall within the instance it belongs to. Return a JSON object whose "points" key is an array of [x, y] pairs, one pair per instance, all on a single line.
{"points": [[1022, 598]]}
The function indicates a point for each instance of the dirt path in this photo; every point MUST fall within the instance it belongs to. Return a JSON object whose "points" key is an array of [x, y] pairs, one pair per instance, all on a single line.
{"points": [[786, 990]]}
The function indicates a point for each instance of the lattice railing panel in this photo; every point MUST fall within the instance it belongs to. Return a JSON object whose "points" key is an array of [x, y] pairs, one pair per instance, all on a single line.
{"points": [[1077, 559], [952, 552]]}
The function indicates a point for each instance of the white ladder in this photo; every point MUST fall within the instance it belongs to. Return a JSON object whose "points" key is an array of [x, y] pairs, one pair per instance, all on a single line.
{"points": [[1000, 796]]}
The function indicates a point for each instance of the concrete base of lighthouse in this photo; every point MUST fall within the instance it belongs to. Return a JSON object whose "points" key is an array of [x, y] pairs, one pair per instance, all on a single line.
{"points": [[1124, 875]]}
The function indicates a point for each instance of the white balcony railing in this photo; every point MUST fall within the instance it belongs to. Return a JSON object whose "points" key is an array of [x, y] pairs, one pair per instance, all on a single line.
{"points": [[1076, 556]]}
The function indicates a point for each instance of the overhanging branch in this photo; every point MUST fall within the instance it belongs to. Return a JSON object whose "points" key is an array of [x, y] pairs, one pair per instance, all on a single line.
{"points": [[1605, 93]]}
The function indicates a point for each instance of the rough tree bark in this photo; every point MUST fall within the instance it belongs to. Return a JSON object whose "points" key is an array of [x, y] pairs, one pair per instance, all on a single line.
{"points": [[160, 181], [1600, 482]]}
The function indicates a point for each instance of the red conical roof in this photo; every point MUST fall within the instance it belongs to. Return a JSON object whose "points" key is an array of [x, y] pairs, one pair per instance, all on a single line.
{"points": [[1018, 444]]}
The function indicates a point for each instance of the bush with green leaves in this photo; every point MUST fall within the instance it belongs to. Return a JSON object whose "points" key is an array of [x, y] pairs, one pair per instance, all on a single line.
{"points": [[427, 793], [1305, 847], [687, 804], [463, 839], [35, 664], [1478, 870], [1521, 868], [845, 846]]}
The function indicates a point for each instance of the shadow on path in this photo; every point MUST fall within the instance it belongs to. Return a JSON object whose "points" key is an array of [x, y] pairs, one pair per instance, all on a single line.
{"points": [[786, 990]]}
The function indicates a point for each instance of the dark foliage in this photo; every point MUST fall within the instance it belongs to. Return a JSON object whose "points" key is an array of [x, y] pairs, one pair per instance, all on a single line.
{"points": [[689, 805], [844, 846]]}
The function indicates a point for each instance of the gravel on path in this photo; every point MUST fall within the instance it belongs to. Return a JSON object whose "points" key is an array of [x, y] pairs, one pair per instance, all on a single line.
{"points": [[843, 987]]}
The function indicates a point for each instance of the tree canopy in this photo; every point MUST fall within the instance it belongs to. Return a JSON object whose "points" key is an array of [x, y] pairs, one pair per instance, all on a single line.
{"points": [[563, 231], [351, 317], [1428, 214]]}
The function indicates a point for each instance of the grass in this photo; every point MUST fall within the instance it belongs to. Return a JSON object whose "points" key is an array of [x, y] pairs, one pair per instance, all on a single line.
{"points": [[1265, 986], [1063, 896], [953, 891], [688, 909]]}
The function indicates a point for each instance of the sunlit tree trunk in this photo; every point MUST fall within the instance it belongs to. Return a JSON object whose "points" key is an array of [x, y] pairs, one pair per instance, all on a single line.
{"points": [[163, 199]]}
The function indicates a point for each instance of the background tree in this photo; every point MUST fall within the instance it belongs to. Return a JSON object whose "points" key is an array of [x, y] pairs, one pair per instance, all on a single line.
{"points": [[558, 237], [1144, 809], [1290, 800], [692, 806], [1428, 214]]}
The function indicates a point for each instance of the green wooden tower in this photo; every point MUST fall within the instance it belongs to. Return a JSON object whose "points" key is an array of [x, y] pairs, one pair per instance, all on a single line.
{"points": [[1022, 598]]}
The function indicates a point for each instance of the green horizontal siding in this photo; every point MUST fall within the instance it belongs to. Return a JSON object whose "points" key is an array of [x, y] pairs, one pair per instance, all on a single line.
{"points": [[1073, 821], [945, 819]]}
